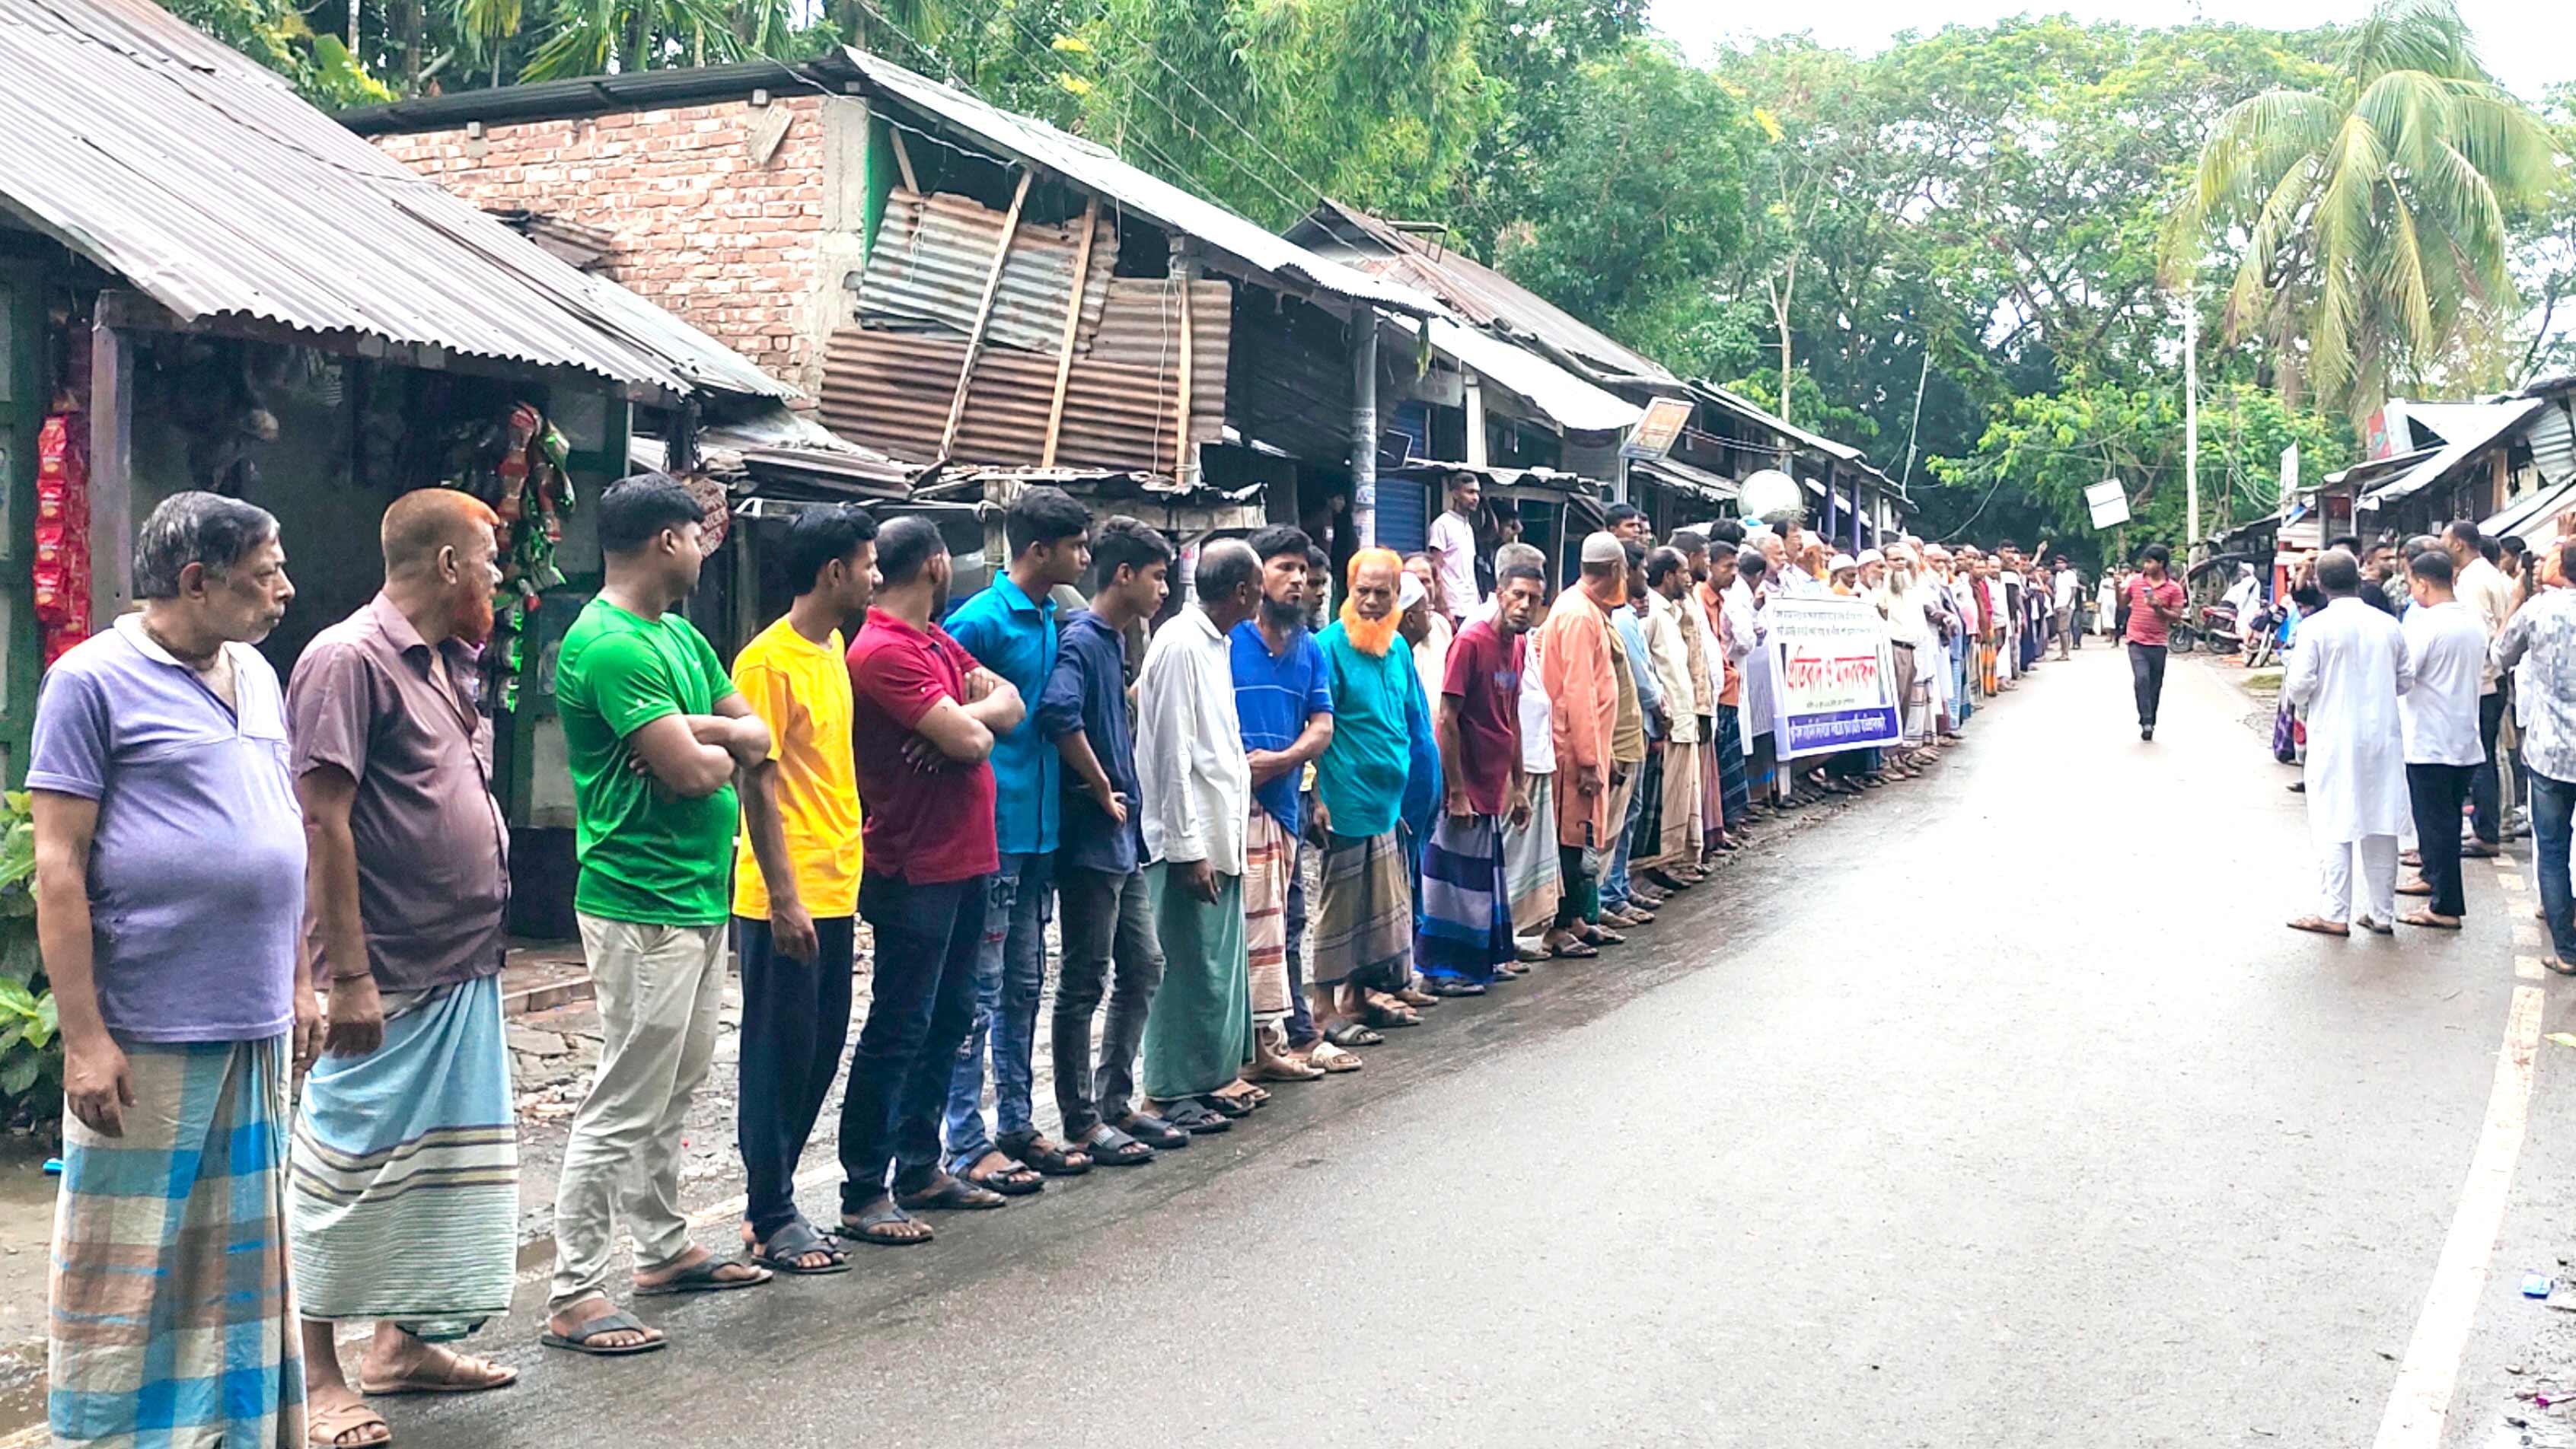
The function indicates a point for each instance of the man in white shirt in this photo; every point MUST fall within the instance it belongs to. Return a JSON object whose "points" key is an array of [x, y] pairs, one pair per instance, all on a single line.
{"points": [[2348, 672], [1452, 549], [1195, 792], [2489, 594], [2447, 645], [2539, 646]]}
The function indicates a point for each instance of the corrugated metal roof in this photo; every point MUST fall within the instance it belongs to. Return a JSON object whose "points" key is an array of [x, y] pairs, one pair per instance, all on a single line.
{"points": [[1484, 297], [1095, 168], [202, 179], [1681, 475], [2465, 430], [1753, 413], [933, 254], [1558, 395], [891, 390]]}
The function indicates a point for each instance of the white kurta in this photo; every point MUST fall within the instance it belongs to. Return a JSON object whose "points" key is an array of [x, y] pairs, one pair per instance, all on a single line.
{"points": [[2347, 672]]}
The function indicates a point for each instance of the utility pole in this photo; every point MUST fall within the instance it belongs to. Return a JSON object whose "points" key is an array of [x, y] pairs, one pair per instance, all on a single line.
{"points": [[2191, 416]]}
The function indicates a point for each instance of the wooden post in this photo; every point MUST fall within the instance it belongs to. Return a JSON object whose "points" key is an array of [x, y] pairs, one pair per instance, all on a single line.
{"points": [[111, 476], [983, 317], [1363, 340], [903, 159], [1186, 274], [1072, 325]]}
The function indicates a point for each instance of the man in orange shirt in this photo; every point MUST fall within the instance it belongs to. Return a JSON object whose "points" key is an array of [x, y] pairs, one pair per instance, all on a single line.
{"points": [[1577, 665]]}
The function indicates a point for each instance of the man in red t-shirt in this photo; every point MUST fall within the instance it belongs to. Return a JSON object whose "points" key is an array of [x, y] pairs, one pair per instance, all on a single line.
{"points": [[1465, 938], [923, 718], [2154, 602]]}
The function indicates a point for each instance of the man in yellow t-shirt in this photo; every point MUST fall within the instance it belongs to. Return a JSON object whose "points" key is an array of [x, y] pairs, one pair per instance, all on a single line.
{"points": [[796, 878]]}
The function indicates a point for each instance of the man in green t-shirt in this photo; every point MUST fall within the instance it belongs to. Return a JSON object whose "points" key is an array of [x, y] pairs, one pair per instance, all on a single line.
{"points": [[656, 734]]}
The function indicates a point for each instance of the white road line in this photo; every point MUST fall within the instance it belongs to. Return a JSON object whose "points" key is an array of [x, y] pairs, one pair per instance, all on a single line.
{"points": [[2510, 879], [2430, 1374], [2527, 967]]}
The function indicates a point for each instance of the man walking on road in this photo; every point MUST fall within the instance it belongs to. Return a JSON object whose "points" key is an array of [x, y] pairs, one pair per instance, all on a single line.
{"points": [[405, 1199], [2154, 602], [656, 733], [1010, 629], [796, 878], [2489, 594], [1100, 867], [2348, 672], [2447, 646], [924, 716], [169, 885], [1196, 794], [2539, 645]]}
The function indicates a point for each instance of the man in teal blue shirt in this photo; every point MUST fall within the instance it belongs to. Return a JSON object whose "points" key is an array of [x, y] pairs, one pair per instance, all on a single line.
{"points": [[1364, 925], [1010, 628]]}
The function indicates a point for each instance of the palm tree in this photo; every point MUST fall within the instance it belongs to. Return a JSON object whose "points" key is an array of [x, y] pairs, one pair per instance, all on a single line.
{"points": [[2372, 214]]}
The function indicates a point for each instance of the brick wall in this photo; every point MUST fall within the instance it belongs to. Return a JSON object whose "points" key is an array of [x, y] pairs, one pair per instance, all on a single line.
{"points": [[733, 247]]}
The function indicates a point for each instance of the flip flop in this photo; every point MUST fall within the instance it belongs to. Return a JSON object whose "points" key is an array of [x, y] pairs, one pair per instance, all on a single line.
{"points": [[2376, 927], [1283, 1069], [870, 1228], [702, 1278], [2561, 967], [1576, 952], [1453, 986], [798, 1240], [2319, 926], [579, 1340], [2429, 921], [1226, 1107], [1387, 1019], [1196, 1119]]}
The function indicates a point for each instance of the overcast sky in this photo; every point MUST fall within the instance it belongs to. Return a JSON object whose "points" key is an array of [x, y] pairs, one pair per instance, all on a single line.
{"points": [[2527, 43]]}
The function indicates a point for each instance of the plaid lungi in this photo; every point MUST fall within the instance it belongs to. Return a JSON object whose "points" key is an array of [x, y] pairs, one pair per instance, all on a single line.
{"points": [[1466, 921], [1269, 857], [1364, 926], [404, 1179], [1734, 787], [1531, 871], [172, 1319], [1679, 844]]}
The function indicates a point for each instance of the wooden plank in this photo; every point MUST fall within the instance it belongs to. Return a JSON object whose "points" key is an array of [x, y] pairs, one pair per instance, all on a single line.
{"points": [[984, 316], [111, 475], [1072, 325], [1181, 468], [903, 159]]}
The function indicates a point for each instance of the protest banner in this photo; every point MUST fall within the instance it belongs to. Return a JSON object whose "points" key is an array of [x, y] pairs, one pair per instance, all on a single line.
{"points": [[1833, 683]]}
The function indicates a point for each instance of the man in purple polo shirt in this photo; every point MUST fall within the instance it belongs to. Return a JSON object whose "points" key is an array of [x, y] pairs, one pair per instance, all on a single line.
{"points": [[169, 908]]}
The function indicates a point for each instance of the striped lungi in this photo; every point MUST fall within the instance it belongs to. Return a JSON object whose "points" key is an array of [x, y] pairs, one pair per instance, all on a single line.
{"points": [[1269, 857], [1466, 920], [1532, 875], [1734, 786], [1364, 924], [172, 1319], [403, 1183]]}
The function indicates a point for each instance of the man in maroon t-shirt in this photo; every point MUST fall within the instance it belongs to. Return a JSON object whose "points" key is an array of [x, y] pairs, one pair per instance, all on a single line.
{"points": [[923, 718], [1465, 939], [2155, 601]]}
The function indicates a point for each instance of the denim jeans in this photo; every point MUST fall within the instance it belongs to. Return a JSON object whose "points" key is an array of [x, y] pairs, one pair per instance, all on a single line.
{"points": [[795, 1020], [1108, 922], [2486, 789], [921, 1000], [1010, 974], [2552, 804], [2147, 680], [1614, 873], [1961, 705]]}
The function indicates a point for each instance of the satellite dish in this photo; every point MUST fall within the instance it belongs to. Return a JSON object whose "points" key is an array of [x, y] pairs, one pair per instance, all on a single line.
{"points": [[1771, 492]]}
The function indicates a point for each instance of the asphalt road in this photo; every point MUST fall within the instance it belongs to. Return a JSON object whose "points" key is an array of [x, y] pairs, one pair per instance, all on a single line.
{"points": [[1998, 1111]]}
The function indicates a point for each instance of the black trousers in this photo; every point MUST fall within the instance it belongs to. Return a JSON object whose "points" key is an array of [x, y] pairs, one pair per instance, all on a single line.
{"points": [[2486, 791], [1108, 921], [2147, 673], [795, 1020], [922, 1003], [2436, 792]]}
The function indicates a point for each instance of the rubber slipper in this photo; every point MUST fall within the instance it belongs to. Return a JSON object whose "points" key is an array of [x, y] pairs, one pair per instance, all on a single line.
{"points": [[702, 1277], [1452, 986], [579, 1340], [1352, 1034], [1387, 1019], [1333, 1059], [1284, 1069], [951, 1193], [1196, 1119], [2428, 921], [1226, 1107], [795, 1241], [1576, 952], [2318, 925], [1153, 1131], [872, 1224], [1051, 1159]]}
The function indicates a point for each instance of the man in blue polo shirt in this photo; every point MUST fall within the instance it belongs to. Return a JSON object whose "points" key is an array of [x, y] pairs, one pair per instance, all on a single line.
{"points": [[1284, 702], [1010, 628]]}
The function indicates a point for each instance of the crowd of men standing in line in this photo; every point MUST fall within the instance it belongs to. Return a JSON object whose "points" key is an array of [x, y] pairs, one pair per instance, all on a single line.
{"points": [[2427, 675], [240, 881]]}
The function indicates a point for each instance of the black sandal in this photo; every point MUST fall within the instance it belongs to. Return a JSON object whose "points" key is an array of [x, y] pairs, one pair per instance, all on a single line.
{"points": [[1112, 1148], [798, 1240], [1014, 1179], [579, 1340], [704, 1276], [1386, 1017], [1051, 1160], [1196, 1119], [1225, 1106], [870, 1226], [1153, 1131], [950, 1193], [1349, 1034], [1453, 986]]}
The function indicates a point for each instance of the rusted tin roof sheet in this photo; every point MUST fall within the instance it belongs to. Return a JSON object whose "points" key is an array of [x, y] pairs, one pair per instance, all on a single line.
{"points": [[933, 254]]}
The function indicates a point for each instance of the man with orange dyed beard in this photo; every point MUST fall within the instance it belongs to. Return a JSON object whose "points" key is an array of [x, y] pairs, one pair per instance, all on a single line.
{"points": [[1364, 924]]}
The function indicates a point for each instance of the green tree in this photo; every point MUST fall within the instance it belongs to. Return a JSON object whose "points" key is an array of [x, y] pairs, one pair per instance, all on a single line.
{"points": [[2376, 209]]}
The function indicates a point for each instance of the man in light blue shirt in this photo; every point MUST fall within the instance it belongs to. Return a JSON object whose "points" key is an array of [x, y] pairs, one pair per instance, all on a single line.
{"points": [[1010, 628]]}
